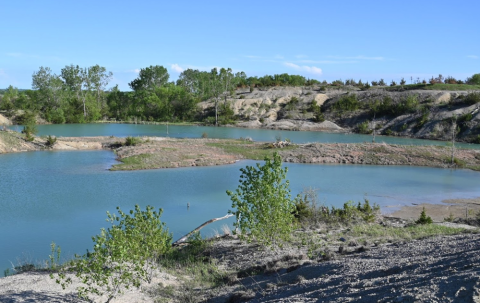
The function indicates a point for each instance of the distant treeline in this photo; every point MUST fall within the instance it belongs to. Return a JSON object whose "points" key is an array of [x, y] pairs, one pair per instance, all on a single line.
{"points": [[79, 95]]}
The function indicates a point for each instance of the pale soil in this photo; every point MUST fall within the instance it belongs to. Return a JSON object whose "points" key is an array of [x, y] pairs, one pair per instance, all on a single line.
{"points": [[4, 121], [459, 208], [39, 287]]}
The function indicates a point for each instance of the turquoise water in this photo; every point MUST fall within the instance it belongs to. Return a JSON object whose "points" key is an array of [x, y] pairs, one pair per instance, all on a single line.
{"points": [[176, 131], [63, 196]]}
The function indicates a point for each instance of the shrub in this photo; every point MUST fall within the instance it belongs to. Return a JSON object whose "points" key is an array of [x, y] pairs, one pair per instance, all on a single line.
{"points": [[317, 112], [204, 135], [123, 256], [131, 141], [424, 219], [346, 103], [472, 98], [50, 141], [29, 130], [474, 80], [350, 212], [363, 128], [263, 206]]}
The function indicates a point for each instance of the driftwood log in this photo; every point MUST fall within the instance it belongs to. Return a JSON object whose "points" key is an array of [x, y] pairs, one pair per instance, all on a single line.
{"points": [[184, 238]]}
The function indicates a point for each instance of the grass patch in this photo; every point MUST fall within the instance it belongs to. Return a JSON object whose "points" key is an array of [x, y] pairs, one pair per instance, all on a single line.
{"points": [[376, 232], [134, 163]]}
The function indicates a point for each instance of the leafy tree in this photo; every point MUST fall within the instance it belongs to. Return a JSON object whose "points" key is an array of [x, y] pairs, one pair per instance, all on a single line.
{"points": [[150, 78], [265, 210], [216, 89], [50, 89], [474, 80], [123, 256]]}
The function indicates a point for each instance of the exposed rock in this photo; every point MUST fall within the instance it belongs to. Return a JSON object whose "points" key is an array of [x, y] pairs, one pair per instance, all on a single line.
{"points": [[4, 121]]}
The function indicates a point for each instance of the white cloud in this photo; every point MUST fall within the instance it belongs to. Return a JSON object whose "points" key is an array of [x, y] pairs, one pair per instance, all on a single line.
{"points": [[176, 68], [472, 57], [309, 69], [136, 71], [301, 56], [279, 57]]}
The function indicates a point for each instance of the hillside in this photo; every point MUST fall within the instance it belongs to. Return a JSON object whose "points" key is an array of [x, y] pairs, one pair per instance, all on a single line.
{"points": [[425, 114]]}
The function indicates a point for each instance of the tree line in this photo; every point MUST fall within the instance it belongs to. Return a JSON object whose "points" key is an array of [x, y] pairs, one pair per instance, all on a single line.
{"points": [[80, 94]]}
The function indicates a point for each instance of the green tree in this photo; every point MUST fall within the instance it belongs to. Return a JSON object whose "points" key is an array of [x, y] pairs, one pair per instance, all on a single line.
{"points": [[474, 80], [263, 205], [123, 256], [150, 78]]}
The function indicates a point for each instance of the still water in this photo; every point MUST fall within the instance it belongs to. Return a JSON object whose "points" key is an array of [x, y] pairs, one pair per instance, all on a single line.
{"points": [[63, 196], [189, 131]]}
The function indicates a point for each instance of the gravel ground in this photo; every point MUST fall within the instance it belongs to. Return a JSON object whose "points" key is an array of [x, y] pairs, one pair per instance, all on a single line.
{"points": [[440, 269]]}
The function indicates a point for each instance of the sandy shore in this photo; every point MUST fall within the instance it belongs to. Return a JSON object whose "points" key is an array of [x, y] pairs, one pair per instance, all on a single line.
{"points": [[457, 208]]}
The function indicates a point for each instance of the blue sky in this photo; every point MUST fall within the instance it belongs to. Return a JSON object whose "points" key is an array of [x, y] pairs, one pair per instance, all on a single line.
{"points": [[324, 40]]}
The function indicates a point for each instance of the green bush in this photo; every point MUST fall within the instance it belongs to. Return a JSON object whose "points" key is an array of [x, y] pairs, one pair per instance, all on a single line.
{"points": [[29, 130], [424, 219], [132, 141], [363, 128], [474, 80], [263, 205], [472, 98], [50, 141], [317, 112], [123, 256], [350, 212], [346, 103]]}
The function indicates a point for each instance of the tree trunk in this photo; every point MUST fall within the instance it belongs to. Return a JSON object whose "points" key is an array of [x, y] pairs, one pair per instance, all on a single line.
{"points": [[184, 238]]}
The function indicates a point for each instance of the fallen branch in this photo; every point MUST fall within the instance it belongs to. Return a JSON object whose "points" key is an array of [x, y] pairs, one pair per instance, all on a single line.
{"points": [[184, 238]]}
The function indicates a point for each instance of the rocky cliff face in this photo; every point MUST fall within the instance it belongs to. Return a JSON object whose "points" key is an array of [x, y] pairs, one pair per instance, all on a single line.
{"points": [[433, 114]]}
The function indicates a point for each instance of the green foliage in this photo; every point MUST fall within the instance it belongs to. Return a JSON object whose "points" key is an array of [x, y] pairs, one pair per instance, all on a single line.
{"points": [[472, 98], [302, 208], [317, 112], [54, 258], [424, 219], [474, 80], [262, 202], [55, 116], [123, 256], [352, 213], [50, 141], [292, 104], [363, 128], [132, 141], [346, 103], [29, 122]]}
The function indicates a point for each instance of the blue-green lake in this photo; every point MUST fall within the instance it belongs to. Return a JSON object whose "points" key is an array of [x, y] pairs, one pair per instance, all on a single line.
{"points": [[63, 196], [189, 131]]}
